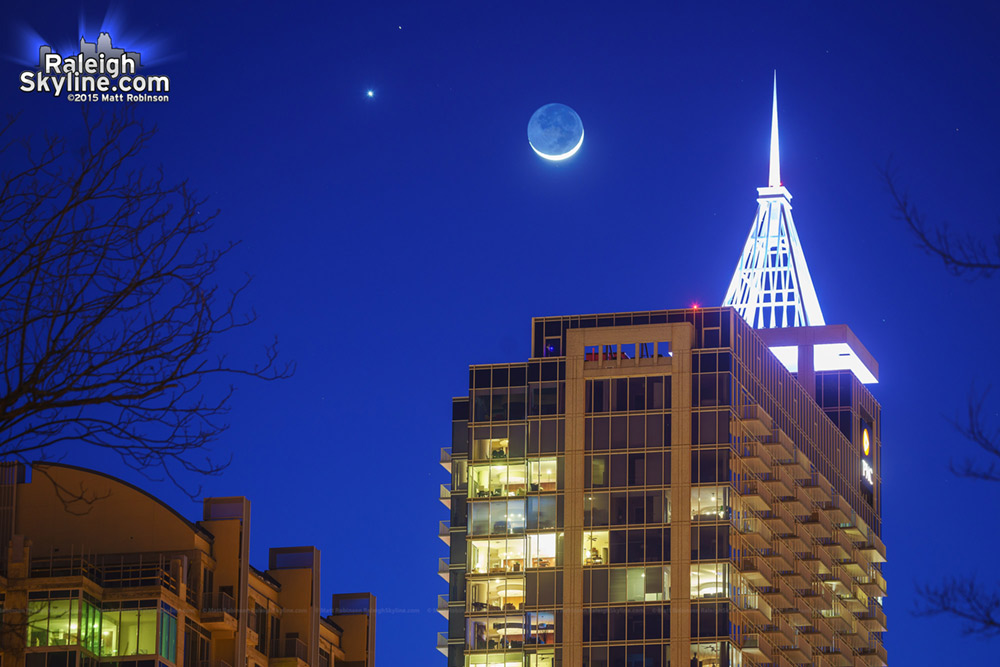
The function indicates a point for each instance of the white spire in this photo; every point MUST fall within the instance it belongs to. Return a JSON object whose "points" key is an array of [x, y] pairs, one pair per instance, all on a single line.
{"points": [[772, 286], [774, 177]]}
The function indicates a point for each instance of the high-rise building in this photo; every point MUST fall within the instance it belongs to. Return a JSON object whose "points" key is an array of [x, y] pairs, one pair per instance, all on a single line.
{"points": [[98, 572], [673, 487]]}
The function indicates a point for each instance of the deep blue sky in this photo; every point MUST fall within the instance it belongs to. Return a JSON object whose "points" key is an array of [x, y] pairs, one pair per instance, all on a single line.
{"points": [[397, 239]]}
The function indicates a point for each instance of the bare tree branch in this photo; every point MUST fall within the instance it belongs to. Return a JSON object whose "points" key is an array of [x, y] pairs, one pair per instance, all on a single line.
{"points": [[962, 254], [108, 306], [975, 429], [977, 606]]}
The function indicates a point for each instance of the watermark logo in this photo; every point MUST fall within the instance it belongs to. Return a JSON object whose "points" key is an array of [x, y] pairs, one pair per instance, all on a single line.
{"points": [[100, 72]]}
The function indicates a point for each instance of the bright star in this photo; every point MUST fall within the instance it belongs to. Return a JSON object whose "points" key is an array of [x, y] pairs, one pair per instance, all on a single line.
{"points": [[371, 93]]}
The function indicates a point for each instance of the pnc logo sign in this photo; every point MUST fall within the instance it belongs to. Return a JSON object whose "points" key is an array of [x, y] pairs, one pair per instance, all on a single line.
{"points": [[867, 471]]}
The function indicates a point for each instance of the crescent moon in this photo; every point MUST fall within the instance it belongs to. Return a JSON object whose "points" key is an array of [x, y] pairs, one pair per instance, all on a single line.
{"points": [[568, 154]]}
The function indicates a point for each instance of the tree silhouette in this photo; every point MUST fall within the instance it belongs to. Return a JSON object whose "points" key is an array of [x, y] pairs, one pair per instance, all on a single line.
{"points": [[963, 255], [108, 306]]}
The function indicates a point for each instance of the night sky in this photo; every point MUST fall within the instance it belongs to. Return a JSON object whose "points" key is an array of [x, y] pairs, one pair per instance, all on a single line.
{"points": [[397, 238]]}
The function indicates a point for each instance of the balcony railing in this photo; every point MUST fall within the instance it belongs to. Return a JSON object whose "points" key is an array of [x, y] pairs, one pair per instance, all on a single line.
{"points": [[66, 566], [293, 647], [218, 603], [108, 572]]}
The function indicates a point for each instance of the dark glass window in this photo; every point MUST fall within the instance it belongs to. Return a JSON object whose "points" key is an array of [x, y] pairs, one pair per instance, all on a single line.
{"points": [[709, 428], [636, 508], [636, 469], [619, 432], [654, 469], [654, 393], [616, 626], [601, 399], [619, 508], [619, 395], [599, 624], [710, 542], [709, 466], [637, 393], [619, 470], [617, 542], [636, 432], [636, 545]]}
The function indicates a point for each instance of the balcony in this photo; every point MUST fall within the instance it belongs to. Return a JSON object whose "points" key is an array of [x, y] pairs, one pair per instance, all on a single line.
{"points": [[218, 613], [780, 445], [795, 502], [756, 647], [756, 457], [818, 489], [443, 605], [444, 532], [873, 584], [797, 579], [292, 652], [776, 633], [754, 609], [442, 643], [819, 597], [818, 525], [445, 496], [754, 420], [839, 545], [443, 568], [834, 655], [778, 482], [797, 467], [109, 571], [797, 617], [779, 519], [778, 557], [756, 571], [446, 458], [777, 596], [855, 604], [837, 509], [874, 655], [755, 531], [755, 495], [823, 555], [843, 578], [798, 540], [873, 620], [806, 565], [796, 653], [873, 549]]}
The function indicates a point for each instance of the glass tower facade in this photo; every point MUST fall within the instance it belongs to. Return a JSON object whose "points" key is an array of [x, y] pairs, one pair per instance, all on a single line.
{"points": [[655, 488]]}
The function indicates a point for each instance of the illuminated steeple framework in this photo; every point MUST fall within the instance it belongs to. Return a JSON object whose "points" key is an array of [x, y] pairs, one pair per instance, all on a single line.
{"points": [[771, 286]]}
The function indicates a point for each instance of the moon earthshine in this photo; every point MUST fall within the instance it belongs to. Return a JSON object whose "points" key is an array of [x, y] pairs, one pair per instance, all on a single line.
{"points": [[555, 132]]}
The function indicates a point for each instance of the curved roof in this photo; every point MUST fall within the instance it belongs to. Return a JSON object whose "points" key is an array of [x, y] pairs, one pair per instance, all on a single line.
{"points": [[191, 524]]}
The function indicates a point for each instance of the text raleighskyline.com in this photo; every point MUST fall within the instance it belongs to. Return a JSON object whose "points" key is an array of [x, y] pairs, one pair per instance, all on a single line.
{"points": [[100, 72]]}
